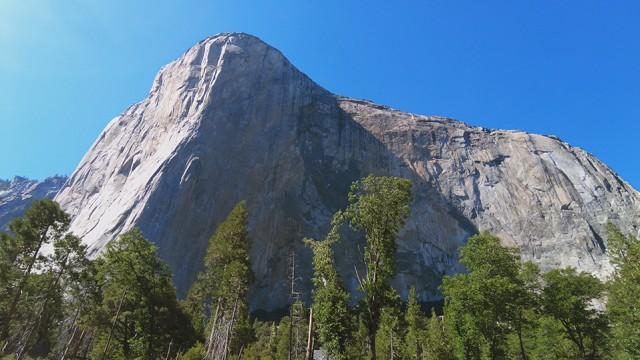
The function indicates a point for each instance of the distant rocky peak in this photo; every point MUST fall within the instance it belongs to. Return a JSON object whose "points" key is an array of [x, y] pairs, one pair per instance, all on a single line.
{"points": [[18, 193]]}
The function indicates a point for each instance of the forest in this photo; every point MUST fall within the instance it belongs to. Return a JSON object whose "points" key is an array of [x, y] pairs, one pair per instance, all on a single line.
{"points": [[58, 302]]}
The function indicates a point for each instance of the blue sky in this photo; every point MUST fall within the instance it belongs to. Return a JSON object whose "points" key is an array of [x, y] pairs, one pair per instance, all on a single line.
{"points": [[569, 68]]}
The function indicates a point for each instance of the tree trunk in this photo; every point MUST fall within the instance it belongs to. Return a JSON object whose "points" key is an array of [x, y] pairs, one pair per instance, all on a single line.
{"points": [[523, 352], [49, 295], [309, 353], [169, 349], [227, 341], [113, 325], [75, 329], [372, 343], [18, 293], [211, 333]]}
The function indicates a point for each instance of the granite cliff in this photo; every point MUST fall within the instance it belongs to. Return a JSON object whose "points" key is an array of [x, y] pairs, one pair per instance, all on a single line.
{"points": [[233, 119]]}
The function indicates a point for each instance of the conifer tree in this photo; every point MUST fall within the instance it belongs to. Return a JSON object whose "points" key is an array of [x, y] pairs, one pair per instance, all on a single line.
{"points": [[139, 316], [289, 343], [414, 320], [264, 346], [196, 352], [43, 223], [217, 300], [390, 334], [437, 344], [283, 341], [64, 270], [83, 295], [358, 348], [378, 206]]}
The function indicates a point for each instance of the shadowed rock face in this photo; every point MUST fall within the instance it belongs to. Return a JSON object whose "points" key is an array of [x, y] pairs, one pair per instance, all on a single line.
{"points": [[18, 193], [233, 120]]}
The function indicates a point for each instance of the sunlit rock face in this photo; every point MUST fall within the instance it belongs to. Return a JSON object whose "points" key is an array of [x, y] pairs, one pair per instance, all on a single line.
{"points": [[233, 120], [18, 193]]}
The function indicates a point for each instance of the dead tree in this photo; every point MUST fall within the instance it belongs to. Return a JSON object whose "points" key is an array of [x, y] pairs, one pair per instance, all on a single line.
{"points": [[309, 352], [296, 311], [221, 334]]}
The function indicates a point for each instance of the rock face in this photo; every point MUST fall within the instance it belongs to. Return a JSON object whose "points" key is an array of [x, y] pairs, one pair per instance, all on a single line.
{"points": [[18, 193], [232, 119]]}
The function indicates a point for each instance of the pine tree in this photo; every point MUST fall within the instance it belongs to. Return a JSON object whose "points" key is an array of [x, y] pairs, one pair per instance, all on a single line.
{"points": [[42, 309], [437, 343], [290, 344], [83, 294], [65, 269], [196, 352], [378, 206], [624, 292], [462, 295], [414, 320], [44, 222], [334, 322], [390, 334], [139, 316], [39, 288], [264, 347], [217, 300], [358, 348], [9, 272]]}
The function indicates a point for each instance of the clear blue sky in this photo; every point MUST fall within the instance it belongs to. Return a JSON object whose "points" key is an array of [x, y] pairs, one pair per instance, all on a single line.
{"points": [[569, 68]]}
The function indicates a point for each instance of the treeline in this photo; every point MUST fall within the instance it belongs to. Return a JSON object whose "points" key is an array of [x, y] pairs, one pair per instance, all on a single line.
{"points": [[55, 303]]}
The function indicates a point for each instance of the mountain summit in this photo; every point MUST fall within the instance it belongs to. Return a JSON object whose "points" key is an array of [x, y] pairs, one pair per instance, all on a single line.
{"points": [[17, 194], [232, 119]]}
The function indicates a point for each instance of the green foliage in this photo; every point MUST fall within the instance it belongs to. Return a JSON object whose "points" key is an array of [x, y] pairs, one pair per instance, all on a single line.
{"points": [[378, 206], [58, 303], [550, 342], [358, 348], [40, 289], [438, 343], [264, 348], [503, 309], [624, 292], [490, 300], [139, 311], [389, 337], [291, 338], [196, 352], [415, 323], [283, 343], [43, 223], [67, 271], [219, 295], [568, 297], [334, 322]]}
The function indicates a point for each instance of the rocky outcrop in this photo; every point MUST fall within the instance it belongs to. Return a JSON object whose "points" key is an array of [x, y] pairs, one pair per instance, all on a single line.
{"points": [[232, 119], [18, 193]]}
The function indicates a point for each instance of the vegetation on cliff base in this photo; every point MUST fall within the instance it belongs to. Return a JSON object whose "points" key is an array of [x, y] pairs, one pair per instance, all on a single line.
{"points": [[57, 303]]}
